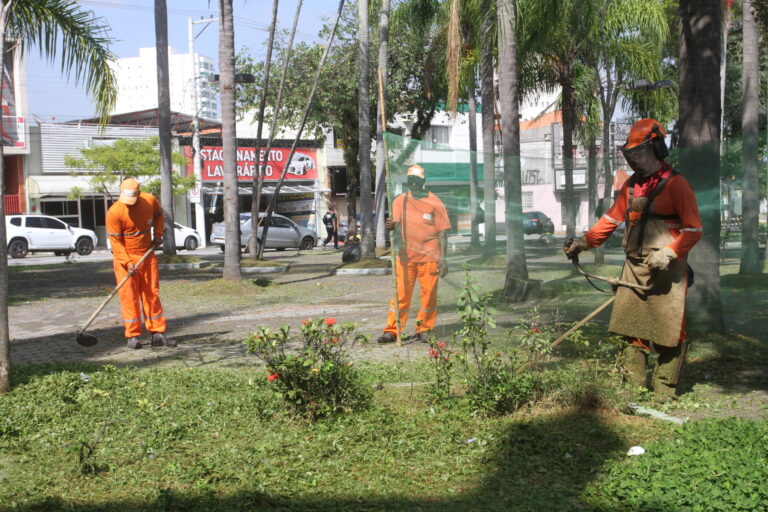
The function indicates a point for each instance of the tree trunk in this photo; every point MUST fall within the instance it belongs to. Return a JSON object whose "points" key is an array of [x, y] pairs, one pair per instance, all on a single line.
{"points": [[699, 127], [381, 182], [5, 335], [751, 262], [258, 177], [488, 118], [569, 199], [592, 180], [607, 198], [164, 125], [229, 141], [300, 130], [473, 184], [510, 132], [275, 116], [364, 130]]}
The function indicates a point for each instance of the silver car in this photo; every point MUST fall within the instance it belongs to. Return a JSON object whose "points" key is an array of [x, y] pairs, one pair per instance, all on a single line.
{"points": [[283, 233]]}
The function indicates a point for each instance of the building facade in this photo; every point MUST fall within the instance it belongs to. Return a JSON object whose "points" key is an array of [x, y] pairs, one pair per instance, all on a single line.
{"points": [[137, 83]]}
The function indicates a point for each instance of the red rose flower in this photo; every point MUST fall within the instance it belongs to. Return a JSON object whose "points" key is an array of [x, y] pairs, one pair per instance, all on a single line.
{"points": [[330, 321], [273, 377], [441, 344], [305, 322], [434, 354], [535, 330], [334, 340]]}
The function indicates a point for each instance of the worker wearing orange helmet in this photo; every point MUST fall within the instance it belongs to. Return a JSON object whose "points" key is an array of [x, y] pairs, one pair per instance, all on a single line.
{"points": [[662, 224], [131, 222], [422, 221]]}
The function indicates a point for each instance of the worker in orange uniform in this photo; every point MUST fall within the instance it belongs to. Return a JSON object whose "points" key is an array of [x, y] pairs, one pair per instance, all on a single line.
{"points": [[422, 221], [130, 225], [662, 224]]}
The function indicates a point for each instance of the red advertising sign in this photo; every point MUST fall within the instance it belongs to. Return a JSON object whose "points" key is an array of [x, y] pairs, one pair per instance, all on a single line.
{"points": [[303, 165]]}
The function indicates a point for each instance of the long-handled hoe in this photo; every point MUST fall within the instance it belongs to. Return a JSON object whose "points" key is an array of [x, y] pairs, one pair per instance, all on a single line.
{"points": [[88, 340]]}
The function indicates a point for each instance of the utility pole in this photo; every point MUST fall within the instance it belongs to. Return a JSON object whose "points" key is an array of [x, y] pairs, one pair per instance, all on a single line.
{"points": [[196, 93]]}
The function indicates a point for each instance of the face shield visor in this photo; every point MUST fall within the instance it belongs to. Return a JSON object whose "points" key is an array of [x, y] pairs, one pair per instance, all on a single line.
{"points": [[641, 158]]}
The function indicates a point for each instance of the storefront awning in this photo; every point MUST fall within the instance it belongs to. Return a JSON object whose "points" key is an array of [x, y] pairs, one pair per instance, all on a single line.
{"points": [[61, 186], [218, 189]]}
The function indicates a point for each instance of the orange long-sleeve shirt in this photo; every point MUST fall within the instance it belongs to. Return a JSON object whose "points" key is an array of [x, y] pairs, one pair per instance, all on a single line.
{"points": [[130, 228], [676, 198]]}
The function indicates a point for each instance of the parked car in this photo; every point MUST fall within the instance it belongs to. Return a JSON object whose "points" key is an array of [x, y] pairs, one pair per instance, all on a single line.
{"points": [[283, 233], [41, 233], [186, 238], [537, 223]]}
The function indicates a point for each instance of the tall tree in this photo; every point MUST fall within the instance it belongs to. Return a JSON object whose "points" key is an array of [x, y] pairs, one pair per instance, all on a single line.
{"points": [[364, 129], [751, 262], [488, 121], [381, 182], [229, 140], [517, 267], [164, 124], [258, 177], [699, 142], [63, 31]]}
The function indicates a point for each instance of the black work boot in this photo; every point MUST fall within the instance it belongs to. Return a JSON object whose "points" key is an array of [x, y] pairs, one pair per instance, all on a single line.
{"points": [[133, 343], [387, 337], [633, 363], [159, 339]]}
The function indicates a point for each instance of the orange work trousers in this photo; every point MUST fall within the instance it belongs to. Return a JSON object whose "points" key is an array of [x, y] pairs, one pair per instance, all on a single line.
{"points": [[407, 274], [141, 294]]}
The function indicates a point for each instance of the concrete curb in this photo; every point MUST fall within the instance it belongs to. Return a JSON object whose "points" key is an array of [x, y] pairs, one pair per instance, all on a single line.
{"points": [[362, 271], [180, 266], [258, 270]]}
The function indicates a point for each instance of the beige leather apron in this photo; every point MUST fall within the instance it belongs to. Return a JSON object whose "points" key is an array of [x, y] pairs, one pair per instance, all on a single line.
{"points": [[655, 315]]}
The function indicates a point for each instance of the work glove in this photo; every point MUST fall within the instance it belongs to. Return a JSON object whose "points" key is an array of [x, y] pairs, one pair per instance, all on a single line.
{"points": [[442, 269], [576, 246], [158, 241], [389, 224], [659, 260]]}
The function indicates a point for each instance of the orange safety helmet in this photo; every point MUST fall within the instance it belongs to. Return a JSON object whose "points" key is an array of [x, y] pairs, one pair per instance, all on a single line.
{"points": [[648, 130]]}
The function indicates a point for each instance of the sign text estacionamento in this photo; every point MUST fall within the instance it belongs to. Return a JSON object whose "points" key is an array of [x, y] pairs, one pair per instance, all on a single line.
{"points": [[303, 165]]}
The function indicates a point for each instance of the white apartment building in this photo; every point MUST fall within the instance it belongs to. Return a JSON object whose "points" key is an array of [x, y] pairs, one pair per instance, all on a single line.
{"points": [[137, 83]]}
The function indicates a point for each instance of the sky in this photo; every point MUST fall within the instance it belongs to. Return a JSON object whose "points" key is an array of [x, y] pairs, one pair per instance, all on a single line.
{"points": [[52, 97]]}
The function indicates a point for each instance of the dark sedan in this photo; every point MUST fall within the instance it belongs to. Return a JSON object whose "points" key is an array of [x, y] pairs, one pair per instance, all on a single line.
{"points": [[537, 223]]}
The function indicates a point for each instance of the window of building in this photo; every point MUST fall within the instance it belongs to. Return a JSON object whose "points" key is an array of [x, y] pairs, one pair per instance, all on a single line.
{"points": [[532, 177], [438, 135], [527, 199], [66, 211]]}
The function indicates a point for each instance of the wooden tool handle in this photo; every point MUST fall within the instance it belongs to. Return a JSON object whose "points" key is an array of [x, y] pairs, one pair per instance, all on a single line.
{"points": [[117, 288]]}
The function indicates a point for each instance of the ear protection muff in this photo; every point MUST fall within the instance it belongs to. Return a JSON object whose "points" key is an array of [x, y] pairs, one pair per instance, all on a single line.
{"points": [[660, 149]]}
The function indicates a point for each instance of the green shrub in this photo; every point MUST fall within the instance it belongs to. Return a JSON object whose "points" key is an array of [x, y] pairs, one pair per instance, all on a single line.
{"points": [[317, 379], [441, 360], [709, 465], [501, 388]]}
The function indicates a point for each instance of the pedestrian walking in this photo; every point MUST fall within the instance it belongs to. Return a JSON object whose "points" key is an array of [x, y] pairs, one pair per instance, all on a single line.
{"points": [[421, 224], [331, 227], [131, 222], [662, 224]]}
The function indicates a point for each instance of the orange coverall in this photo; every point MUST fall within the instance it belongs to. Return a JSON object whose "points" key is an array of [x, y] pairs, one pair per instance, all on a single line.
{"points": [[130, 232], [421, 220]]}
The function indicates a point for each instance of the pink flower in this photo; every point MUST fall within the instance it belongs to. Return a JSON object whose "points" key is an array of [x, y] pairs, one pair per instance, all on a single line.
{"points": [[441, 344], [330, 321], [273, 376], [305, 322], [434, 353]]}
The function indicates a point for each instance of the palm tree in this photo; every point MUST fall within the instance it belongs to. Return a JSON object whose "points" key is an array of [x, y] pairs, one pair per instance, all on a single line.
{"points": [[258, 179], [699, 142], [510, 136], [229, 141], [164, 124], [81, 42], [488, 121], [751, 263], [381, 185], [364, 130]]}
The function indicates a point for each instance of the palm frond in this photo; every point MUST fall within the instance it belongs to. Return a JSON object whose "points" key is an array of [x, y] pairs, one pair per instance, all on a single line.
{"points": [[63, 31]]}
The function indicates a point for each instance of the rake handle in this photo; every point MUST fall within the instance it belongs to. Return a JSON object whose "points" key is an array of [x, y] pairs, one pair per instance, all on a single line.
{"points": [[117, 288]]}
